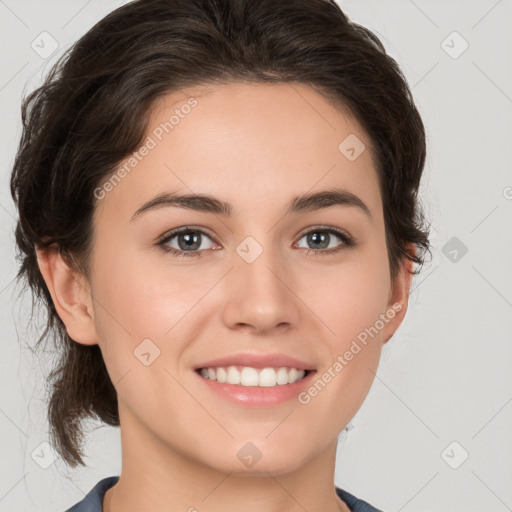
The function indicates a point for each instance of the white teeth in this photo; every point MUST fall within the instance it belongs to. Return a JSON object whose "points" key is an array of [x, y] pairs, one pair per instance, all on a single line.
{"points": [[282, 376], [248, 376], [267, 378], [233, 375], [222, 375]]}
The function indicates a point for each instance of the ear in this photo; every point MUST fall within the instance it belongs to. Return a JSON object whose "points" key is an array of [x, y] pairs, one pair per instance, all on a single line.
{"points": [[398, 300], [71, 295]]}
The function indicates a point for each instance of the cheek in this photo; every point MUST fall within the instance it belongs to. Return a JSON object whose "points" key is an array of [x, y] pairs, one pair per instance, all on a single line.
{"points": [[140, 298], [142, 313], [347, 298], [137, 290]]}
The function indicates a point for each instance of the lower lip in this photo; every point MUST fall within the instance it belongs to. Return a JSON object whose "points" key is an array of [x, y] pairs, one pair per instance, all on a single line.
{"points": [[256, 396]]}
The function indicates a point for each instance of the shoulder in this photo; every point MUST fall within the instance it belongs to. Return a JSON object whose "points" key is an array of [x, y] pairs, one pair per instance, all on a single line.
{"points": [[355, 504], [93, 500]]}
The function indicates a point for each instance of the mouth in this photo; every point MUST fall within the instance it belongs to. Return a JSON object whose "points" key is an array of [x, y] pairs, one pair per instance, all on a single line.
{"points": [[255, 379], [248, 376]]}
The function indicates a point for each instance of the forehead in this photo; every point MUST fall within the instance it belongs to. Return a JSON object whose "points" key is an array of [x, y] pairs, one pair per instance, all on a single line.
{"points": [[271, 114], [266, 142]]}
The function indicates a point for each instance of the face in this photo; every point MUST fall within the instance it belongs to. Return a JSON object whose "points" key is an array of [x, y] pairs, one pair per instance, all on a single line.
{"points": [[267, 281]]}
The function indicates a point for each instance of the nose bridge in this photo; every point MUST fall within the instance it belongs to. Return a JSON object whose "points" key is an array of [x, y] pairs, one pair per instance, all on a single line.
{"points": [[259, 291], [257, 264]]}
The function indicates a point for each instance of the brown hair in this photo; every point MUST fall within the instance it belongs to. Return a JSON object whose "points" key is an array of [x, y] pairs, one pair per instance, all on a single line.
{"points": [[92, 111]]}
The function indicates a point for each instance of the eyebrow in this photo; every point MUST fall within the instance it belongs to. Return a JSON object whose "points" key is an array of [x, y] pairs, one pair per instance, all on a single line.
{"points": [[300, 204]]}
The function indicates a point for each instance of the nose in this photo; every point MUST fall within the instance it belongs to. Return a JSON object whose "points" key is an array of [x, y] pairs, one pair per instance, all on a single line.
{"points": [[259, 295]]}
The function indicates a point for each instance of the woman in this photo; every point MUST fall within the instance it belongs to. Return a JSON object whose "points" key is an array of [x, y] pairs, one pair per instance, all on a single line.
{"points": [[218, 207]]}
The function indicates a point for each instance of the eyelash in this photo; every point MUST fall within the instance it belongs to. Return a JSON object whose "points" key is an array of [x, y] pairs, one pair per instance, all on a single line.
{"points": [[347, 240]]}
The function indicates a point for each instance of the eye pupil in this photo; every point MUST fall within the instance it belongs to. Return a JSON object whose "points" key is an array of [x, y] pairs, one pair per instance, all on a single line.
{"points": [[191, 241], [319, 237]]}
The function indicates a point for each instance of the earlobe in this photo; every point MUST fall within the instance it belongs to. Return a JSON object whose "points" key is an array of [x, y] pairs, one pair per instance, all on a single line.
{"points": [[70, 295]]}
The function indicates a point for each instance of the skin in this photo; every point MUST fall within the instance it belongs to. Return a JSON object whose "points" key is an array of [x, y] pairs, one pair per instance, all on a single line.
{"points": [[256, 147]]}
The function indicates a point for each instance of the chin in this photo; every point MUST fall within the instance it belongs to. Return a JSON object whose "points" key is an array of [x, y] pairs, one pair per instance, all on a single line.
{"points": [[252, 461]]}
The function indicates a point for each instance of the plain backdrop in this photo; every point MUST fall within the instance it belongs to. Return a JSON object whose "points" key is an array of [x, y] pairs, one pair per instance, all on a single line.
{"points": [[435, 432]]}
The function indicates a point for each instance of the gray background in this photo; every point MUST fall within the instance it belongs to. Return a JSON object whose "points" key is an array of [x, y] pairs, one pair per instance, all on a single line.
{"points": [[444, 387]]}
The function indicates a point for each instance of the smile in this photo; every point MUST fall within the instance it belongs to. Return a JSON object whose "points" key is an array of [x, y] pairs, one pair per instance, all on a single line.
{"points": [[253, 377]]}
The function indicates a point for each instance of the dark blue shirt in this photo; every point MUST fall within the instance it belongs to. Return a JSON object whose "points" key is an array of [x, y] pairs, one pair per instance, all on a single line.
{"points": [[93, 501]]}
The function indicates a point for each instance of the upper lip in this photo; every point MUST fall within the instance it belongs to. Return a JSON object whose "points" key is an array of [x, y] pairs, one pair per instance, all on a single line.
{"points": [[257, 361]]}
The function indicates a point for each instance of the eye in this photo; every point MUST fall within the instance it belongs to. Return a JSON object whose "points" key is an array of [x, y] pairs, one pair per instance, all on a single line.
{"points": [[190, 241], [186, 241], [322, 240]]}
